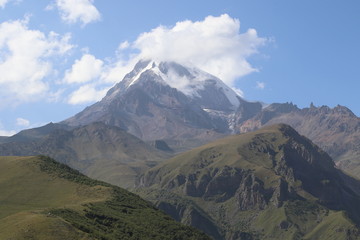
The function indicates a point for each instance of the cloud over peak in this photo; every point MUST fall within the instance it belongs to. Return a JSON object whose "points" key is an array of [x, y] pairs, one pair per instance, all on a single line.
{"points": [[214, 45]]}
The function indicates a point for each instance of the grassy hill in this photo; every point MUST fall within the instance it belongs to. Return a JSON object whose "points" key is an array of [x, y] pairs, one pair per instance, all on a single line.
{"points": [[100, 151], [42, 199], [268, 184]]}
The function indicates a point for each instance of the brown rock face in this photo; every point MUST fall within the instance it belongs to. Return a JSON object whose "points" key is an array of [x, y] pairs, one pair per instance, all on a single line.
{"points": [[251, 194]]}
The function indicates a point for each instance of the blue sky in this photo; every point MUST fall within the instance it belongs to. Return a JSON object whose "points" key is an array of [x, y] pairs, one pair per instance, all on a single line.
{"points": [[59, 56]]}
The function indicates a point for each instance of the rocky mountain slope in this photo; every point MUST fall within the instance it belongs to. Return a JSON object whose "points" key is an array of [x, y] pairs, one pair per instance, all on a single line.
{"points": [[42, 199], [100, 151], [269, 184]]}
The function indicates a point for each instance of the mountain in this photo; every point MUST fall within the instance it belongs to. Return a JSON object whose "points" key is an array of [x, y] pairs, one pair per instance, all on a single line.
{"points": [[167, 101], [100, 151], [175, 108], [336, 130], [269, 184], [186, 107], [42, 199]]}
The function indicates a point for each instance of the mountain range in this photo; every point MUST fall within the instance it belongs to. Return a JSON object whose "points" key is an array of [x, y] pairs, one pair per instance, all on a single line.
{"points": [[260, 174], [336, 130], [183, 107]]}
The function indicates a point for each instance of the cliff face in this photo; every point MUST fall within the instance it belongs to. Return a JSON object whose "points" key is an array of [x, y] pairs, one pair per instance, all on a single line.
{"points": [[236, 180]]}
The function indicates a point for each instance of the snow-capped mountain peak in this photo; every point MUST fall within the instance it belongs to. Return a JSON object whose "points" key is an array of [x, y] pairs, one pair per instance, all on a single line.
{"points": [[199, 85], [196, 84], [167, 100]]}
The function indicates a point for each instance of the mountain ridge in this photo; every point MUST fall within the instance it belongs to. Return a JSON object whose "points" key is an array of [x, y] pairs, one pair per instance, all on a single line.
{"points": [[238, 180], [336, 130]]}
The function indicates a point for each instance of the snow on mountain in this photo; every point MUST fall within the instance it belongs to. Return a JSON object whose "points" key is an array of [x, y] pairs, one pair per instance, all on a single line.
{"points": [[171, 102], [194, 83]]}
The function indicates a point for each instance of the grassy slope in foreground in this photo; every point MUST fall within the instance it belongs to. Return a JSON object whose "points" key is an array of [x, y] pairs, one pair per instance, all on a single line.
{"points": [[42, 199]]}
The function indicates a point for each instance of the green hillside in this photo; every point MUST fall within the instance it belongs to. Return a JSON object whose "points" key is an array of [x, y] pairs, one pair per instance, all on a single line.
{"points": [[42, 199], [268, 184], [102, 152]]}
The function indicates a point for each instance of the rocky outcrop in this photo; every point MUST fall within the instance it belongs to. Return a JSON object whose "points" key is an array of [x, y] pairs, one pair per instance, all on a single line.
{"points": [[251, 194], [218, 185], [282, 192], [221, 184], [190, 215]]}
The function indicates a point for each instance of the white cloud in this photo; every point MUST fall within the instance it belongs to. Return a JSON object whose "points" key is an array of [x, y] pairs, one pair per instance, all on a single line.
{"points": [[84, 70], [124, 45], [214, 45], [4, 132], [87, 93], [7, 133], [25, 60], [72, 11], [3, 3], [260, 85], [22, 122]]}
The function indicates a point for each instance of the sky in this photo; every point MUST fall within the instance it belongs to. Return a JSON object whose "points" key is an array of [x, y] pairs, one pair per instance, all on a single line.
{"points": [[59, 56]]}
